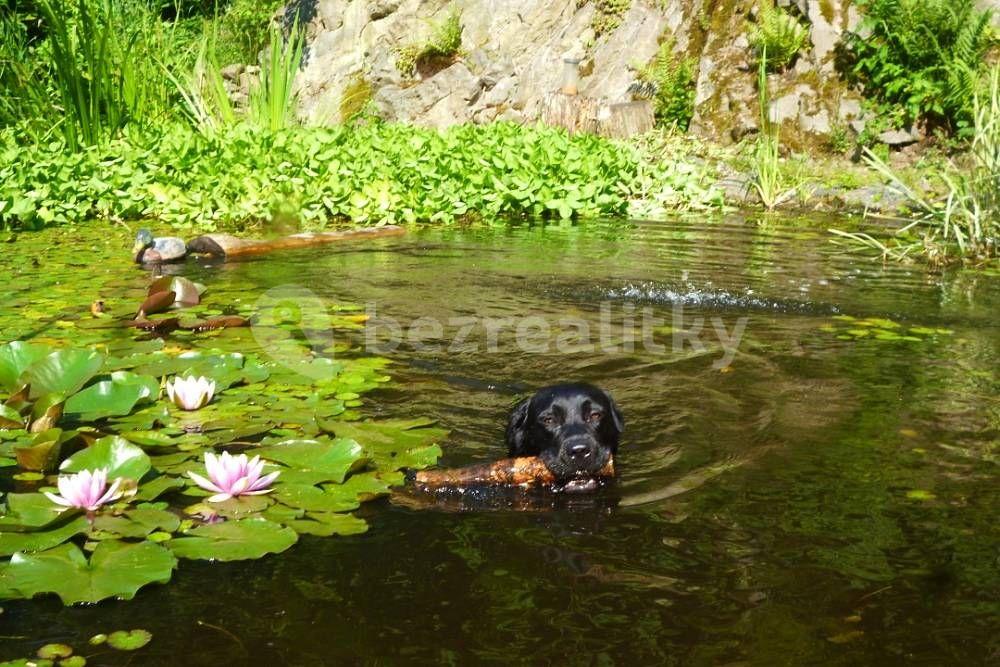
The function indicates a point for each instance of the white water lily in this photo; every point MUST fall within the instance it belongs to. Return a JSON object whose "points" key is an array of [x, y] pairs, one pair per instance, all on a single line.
{"points": [[86, 490], [191, 393], [233, 476]]}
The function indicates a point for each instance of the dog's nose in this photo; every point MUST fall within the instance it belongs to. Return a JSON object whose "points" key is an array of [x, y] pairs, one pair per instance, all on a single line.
{"points": [[579, 451]]}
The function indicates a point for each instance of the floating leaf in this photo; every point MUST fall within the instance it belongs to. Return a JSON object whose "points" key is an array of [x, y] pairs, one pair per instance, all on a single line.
{"points": [[40, 540], [129, 641], [114, 397], [187, 293], [30, 510], [311, 498], [42, 453], [154, 488], [327, 524], [63, 372], [234, 540], [116, 569], [118, 455], [335, 458], [17, 357], [73, 661], [54, 651]]}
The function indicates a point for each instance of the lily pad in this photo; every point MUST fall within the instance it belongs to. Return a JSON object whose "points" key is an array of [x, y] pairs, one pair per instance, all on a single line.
{"points": [[29, 511], [334, 457], [114, 397], [54, 651], [17, 357], [40, 540], [327, 524], [154, 488], [116, 569], [311, 498], [63, 371], [118, 455], [130, 640], [233, 540]]}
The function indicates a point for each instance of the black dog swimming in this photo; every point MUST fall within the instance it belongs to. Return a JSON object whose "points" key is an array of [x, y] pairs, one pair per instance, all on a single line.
{"points": [[573, 428]]}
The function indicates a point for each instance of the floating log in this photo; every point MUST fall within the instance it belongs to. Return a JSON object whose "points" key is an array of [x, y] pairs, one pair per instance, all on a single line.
{"points": [[617, 120], [228, 246], [521, 471]]}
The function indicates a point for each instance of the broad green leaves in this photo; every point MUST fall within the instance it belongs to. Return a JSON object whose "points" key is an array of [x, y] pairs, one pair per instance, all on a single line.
{"points": [[234, 540], [63, 371], [116, 569], [118, 455], [114, 397]]}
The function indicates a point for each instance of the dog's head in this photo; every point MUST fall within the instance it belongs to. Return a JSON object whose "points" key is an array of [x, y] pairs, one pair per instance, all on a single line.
{"points": [[573, 428]]}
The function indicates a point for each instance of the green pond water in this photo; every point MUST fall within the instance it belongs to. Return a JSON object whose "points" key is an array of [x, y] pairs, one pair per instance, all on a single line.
{"points": [[839, 477]]}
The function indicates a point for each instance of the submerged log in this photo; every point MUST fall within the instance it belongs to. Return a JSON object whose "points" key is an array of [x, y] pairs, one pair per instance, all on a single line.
{"points": [[577, 113], [521, 471], [228, 246]]}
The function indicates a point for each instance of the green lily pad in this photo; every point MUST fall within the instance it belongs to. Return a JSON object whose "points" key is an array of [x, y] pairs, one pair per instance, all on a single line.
{"points": [[920, 494], [30, 511], [43, 451], [327, 524], [311, 498], [118, 455], [62, 372], [334, 457], [233, 540], [17, 357], [138, 522], [390, 439], [154, 488], [54, 651], [73, 661], [116, 569], [114, 397], [129, 641], [149, 438], [98, 639], [40, 540]]}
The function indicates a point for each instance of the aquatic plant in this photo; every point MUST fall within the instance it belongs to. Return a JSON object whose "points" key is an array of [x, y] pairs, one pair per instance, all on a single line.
{"points": [[367, 175], [778, 36], [86, 490], [965, 224], [767, 178], [231, 476], [325, 470], [190, 393], [272, 99]]}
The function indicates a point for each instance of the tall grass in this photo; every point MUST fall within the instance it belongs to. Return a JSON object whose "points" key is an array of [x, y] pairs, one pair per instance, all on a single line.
{"points": [[271, 103], [94, 73], [767, 177], [964, 225]]}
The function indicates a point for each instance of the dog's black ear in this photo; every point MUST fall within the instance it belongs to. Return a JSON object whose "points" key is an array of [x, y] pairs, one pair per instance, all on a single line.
{"points": [[516, 429], [616, 414]]}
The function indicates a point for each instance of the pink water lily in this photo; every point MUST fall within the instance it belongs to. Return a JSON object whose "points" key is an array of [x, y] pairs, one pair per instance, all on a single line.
{"points": [[191, 393], [86, 490], [233, 476]]}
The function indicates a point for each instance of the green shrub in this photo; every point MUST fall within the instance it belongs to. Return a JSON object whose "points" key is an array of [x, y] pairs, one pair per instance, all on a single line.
{"points": [[777, 34], [923, 56], [244, 30], [359, 173], [608, 14], [444, 43], [673, 79]]}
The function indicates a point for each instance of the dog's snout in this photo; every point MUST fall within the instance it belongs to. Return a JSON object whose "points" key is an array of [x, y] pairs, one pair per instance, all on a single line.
{"points": [[579, 450]]}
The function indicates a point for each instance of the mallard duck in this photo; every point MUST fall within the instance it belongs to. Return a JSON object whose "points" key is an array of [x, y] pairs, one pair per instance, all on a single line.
{"points": [[154, 250]]}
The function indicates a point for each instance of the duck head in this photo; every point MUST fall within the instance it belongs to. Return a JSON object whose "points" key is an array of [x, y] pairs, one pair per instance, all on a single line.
{"points": [[143, 241]]}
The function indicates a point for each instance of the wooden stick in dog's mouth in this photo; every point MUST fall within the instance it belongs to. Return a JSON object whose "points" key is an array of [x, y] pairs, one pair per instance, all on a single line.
{"points": [[522, 471]]}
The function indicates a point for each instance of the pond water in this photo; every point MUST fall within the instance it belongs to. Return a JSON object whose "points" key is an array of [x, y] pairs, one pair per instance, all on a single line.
{"points": [[839, 482]]}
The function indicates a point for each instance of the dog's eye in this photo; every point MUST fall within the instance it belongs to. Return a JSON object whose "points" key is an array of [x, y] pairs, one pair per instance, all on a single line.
{"points": [[594, 417]]}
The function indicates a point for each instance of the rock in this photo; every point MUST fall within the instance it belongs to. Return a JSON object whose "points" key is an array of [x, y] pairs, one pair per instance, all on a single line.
{"points": [[442, 100], [849, 108], [382, 8], [817, 123], [501, 92], [873, 197], [784, 108], [232, 72], [898, 137]]}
